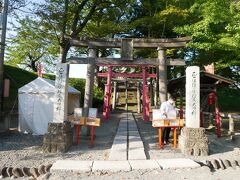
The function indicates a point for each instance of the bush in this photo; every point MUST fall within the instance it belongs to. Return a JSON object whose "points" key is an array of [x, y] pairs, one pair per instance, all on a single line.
{"points": [[79, 84]]}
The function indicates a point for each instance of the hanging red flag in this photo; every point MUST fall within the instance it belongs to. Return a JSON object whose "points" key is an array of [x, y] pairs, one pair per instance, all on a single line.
{"points": [[211, 98]]}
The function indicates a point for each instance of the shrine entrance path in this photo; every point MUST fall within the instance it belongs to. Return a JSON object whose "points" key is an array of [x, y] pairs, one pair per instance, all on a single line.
{"points": [[17, 149]]}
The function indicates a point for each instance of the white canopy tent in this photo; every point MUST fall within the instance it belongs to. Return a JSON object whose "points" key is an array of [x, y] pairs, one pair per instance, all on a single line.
{"points": [[35, 104]]}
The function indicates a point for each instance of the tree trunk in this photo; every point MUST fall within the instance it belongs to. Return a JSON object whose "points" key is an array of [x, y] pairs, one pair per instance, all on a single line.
{"points": [[64, 47], [34, 66]]}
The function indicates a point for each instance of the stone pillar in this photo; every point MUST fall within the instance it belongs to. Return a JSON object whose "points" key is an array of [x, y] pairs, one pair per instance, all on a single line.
{"points": [[162, 74], [192, 97], [114, 95], [61, 93], [126, 96], [138, 98], [59, 136], [88, 96], [193, 140]]}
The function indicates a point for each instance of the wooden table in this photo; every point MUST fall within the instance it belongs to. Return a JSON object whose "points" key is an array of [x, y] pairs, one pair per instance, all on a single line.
{"points": [[84, 121], [168, 123]]}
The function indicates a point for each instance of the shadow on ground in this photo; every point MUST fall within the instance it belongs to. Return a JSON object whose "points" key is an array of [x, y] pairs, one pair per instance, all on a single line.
{"points": [[225, 143], [104, 135]]}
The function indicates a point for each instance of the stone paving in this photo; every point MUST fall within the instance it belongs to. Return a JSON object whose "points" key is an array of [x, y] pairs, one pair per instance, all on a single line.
{"points": [[127, 144]]}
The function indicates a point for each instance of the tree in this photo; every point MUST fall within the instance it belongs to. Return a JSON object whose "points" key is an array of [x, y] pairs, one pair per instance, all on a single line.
{"points": [[215, 32], [31, 45], [69, 18], [157, 19]]}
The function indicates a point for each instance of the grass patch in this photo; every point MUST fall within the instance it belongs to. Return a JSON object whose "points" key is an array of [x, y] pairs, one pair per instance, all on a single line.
{"points": [[19, 77]]}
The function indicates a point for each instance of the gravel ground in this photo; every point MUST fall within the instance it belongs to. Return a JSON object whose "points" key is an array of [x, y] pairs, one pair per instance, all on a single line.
{"points": [[17, 149]]}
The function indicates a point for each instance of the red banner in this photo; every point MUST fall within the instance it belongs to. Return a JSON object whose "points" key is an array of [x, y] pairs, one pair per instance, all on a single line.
{"points": [[211, 99]]}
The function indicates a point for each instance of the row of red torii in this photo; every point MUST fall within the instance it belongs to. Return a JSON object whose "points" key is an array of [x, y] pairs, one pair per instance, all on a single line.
{"points": [[126, 60]]}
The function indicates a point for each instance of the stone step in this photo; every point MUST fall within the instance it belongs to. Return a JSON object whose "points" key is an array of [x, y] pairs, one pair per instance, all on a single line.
{"points": [[144, 164], [177, 163], [112, 166], [72, 165], [124, 166]]}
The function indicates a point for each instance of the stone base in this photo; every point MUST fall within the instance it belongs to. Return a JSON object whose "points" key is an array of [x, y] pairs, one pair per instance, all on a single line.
{"points": [[58, 139], [193, 141]]}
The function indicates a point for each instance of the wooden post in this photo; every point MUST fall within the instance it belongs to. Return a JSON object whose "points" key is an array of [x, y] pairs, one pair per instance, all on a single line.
{"points": [[175, 137], [155, 94], [107, 95], [88, 96], [217, 118], [126, 97], [181, 104], [145, 98], [138, 97], [201, 118], [231, 124], [157, 86], [162, 74], [210, 117], [151, 89], [114, 95]]}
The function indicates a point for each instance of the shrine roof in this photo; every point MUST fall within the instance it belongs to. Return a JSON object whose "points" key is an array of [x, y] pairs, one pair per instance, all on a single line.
{"points": [[207, 80]]}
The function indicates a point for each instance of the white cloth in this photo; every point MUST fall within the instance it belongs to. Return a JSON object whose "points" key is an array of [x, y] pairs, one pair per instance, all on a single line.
{"points": [[167, 111]]}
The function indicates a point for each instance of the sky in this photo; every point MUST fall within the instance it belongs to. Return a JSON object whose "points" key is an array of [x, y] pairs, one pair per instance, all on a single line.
{"points": [[78, 71]]}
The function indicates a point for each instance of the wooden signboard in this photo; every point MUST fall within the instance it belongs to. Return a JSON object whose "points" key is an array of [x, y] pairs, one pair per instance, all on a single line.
{"points": [[168, 122], [85, 121]]}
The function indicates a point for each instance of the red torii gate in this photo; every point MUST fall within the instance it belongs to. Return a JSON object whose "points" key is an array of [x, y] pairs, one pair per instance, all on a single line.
{"points": [[127, 59], [108, 89]]}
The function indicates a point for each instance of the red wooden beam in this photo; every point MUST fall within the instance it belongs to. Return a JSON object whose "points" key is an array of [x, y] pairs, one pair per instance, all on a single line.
{"points": [[130, 75], [125, 65]]}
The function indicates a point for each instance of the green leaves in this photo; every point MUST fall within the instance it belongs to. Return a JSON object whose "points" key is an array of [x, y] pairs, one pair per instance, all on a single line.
{"points": [[215, 31], [31, 45]]}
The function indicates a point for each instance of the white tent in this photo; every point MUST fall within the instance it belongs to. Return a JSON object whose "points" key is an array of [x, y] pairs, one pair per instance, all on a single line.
{"points": [[35, 105]]}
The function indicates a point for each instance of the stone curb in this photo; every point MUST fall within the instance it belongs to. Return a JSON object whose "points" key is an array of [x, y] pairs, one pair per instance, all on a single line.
{"points": [[177, 163], [71, 165], [124, 166]]}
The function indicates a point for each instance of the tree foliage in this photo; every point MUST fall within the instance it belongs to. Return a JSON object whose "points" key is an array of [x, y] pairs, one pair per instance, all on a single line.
{"points": [[215, 33], [213, 24], [31, 45]]}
